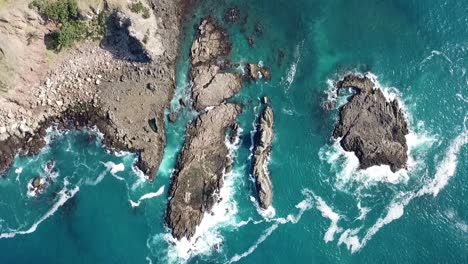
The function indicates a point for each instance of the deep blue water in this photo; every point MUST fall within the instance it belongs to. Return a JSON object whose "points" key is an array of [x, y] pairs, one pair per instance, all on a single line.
{"points": [[325, 211]]}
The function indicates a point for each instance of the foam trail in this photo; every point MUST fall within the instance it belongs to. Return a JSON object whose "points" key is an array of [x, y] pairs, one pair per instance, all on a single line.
{"points": [[64, 195], [462, 98], [447, 167], [97, 180], [265, 235], [445, 170], [328, 212], [148, 196], [303, 206], [114, 168]]}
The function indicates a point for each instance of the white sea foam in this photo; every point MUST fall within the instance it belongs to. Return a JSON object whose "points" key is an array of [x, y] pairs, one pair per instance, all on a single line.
{"points": [[363, 211], [147, 196], [303, 206], [63, 197], [328, 212], [114, 168], [268, 213], [434, 53], [110, 167], [142, 177], [459, 95], [291, 75]]}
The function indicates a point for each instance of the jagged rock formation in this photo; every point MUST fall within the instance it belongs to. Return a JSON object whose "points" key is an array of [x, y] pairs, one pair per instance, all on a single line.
{"points": [[263, 140], [370, 126], [204, 159], [211, 86], [200, 169]]}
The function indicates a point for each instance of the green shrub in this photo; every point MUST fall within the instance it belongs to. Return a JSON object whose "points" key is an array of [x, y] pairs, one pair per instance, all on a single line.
{"points": [[71, 29], [58, 10], [139, 8]]}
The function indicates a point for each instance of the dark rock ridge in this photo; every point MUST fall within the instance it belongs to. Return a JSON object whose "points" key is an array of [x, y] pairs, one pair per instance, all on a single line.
{"points": [[205, 160], [370, 126], [263, 140], [200, 169]]}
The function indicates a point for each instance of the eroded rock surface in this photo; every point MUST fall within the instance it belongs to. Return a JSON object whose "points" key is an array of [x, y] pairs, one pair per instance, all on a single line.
{"points": [[211, 86], [200, 169], [263, 140], [370, 126]]}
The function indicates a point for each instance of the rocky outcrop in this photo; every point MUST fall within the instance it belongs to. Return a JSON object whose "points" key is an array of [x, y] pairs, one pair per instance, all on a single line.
{"points": [[255, 72], [263, 139], [205, 159], [200, 169], [211, 44], [211, 86], [232, 15], [371, 126]]}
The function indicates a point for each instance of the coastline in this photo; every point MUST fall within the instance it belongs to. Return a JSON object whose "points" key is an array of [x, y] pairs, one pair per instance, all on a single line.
{"points": [[93, 85]]}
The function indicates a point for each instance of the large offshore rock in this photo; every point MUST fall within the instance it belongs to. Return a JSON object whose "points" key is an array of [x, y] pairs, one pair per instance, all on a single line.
{"points": [[200, 169], [371, 126]]}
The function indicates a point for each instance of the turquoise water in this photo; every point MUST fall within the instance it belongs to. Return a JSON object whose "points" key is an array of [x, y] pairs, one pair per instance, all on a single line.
{"points": [[99, 210]]}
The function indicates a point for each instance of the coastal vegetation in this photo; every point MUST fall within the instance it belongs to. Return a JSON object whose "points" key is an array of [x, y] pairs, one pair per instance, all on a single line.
{"points": [[70, 27], [139, 8]]}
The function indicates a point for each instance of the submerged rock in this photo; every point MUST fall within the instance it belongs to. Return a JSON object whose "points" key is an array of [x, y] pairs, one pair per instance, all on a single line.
{"points": [[37, 185], [370, 126], [255, 72], [232, 15], [263, 140], [173, 117], [200, 170]]}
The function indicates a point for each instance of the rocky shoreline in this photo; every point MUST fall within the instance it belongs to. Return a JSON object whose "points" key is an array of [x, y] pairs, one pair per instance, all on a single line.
{"points": [[371, 126], [104, 86], [263, 140]]}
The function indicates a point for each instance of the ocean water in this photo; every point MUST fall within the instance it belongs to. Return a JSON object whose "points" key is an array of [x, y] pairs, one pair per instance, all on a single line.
{"points": [[99, 209]]}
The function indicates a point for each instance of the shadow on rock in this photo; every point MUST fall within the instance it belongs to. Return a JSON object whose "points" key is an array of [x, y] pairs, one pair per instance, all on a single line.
{"points": [[120, 43]]}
